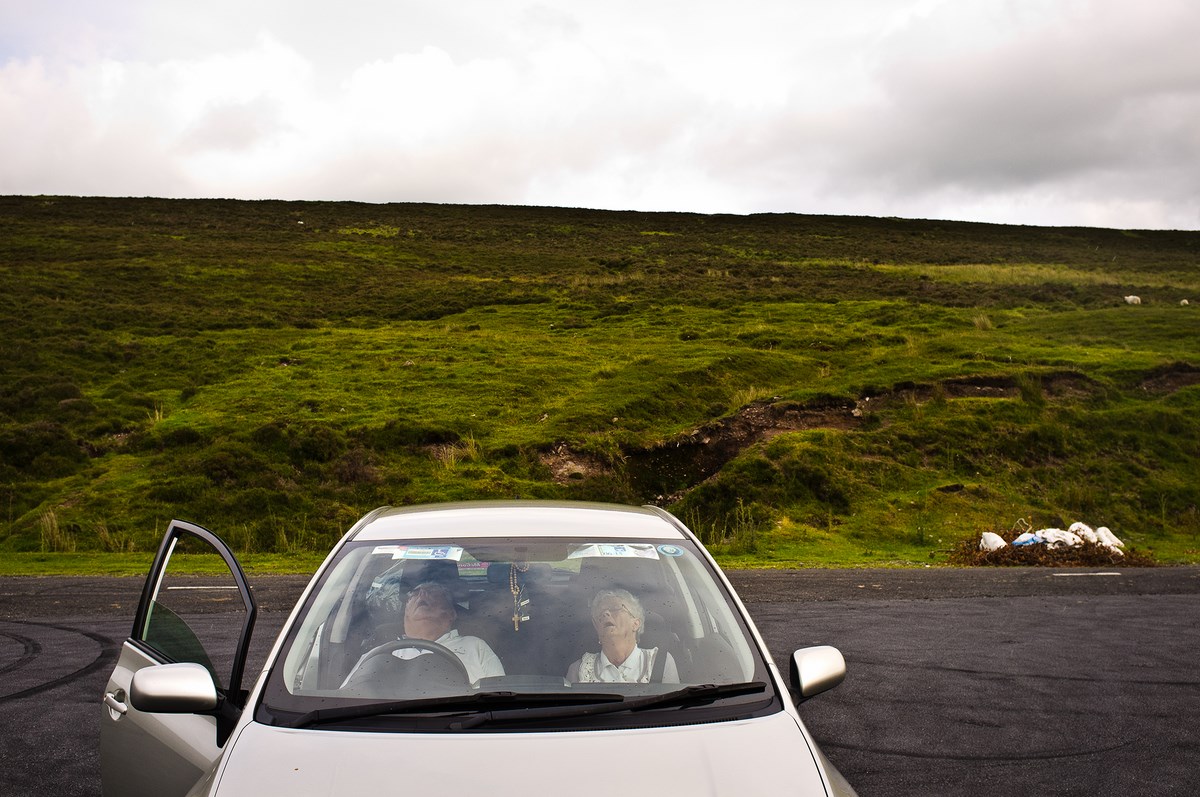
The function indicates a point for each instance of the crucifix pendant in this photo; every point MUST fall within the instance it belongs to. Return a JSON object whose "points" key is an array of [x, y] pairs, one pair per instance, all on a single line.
{"points": [[518, 606], [517, 591]]}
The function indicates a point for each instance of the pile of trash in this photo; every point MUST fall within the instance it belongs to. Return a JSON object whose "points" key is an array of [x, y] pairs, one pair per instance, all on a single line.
{"points": [[1023, 546], [1073, 537]]}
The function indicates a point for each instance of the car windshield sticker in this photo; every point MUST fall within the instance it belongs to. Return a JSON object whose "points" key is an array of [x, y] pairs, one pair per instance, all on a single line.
{"points": [[670, 550], [628, 550], [450, 552]]}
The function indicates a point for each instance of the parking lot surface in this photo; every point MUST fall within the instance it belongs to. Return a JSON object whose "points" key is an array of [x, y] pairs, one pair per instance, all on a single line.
{"points": [[961, 681]]}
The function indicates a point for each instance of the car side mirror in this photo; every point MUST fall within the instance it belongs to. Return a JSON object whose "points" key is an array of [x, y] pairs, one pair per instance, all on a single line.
{"points": [[816, 670], [184, 688]]}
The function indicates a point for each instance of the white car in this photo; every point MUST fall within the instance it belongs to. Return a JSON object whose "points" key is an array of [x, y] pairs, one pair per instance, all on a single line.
{"points": [[515, 648]]}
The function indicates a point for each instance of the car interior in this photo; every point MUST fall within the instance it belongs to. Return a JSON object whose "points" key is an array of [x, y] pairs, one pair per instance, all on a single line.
{"points": [[533, 612]]}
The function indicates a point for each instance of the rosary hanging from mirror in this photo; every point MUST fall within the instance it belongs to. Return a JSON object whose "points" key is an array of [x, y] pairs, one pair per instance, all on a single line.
{"points": [[518, 592]]}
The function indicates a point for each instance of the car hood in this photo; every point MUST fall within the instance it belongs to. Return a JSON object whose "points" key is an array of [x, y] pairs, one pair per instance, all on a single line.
{"points": [[766, 755]]}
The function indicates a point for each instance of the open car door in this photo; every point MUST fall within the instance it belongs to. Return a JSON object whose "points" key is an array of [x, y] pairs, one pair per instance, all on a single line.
{"points": [[164, 723]]}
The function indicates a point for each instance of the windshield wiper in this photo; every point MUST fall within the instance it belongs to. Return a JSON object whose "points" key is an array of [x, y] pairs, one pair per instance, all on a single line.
{"points": [[322, 716], [688, 695]]}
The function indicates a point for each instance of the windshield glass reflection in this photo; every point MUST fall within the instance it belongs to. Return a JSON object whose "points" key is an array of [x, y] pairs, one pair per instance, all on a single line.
{"points": [[497, 617]]}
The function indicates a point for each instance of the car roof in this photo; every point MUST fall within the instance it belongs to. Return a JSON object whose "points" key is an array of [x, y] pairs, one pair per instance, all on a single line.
{"points": [[480, 519]]}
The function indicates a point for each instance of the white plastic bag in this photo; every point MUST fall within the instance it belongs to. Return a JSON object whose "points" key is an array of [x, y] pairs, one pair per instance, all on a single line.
{"points": [[1084, 531], [991, 542], [1057, 538], [1108, 538]]}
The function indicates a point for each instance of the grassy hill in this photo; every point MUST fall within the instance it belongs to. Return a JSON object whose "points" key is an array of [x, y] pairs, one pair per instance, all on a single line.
{"points": [[799, 389]]}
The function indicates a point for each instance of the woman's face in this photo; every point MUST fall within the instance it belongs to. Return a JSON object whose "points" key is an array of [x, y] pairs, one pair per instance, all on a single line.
{"points": [[428, 613], [614, 621]]}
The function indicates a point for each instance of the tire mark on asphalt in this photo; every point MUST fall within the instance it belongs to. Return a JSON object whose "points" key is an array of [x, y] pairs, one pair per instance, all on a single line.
{"points": [[32, 649], [109, 648], [1028, 676], [1050, 755]]}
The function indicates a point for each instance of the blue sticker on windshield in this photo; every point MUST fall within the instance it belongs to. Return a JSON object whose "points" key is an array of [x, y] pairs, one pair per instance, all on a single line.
{"points": [[453, 552], [670, 550]]}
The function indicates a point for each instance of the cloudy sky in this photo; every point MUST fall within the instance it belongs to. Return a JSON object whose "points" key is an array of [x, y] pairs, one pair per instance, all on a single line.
{"points": [[1049, 112]]}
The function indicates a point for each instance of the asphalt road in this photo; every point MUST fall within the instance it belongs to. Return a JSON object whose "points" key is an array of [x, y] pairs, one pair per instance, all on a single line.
{"points": [[997, 682]]}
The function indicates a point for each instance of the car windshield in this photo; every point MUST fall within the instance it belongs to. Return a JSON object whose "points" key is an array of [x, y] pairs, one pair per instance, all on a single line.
{"points": [[522, 629]]}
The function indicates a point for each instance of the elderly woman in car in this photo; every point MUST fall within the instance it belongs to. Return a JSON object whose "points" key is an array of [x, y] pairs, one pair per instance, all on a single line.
{"points": [[619, 618]]}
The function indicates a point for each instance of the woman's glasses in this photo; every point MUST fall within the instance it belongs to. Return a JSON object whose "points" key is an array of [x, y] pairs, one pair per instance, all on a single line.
{"points": [[611, 609]]}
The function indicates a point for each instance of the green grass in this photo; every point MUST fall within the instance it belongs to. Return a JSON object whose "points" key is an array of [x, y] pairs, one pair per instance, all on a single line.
{"points": [[216, 361], [1047, 274], [138, 564]]}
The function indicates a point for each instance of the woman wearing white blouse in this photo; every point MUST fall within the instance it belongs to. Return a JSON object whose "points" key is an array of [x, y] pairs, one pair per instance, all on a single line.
{"points": [[618, 617]]}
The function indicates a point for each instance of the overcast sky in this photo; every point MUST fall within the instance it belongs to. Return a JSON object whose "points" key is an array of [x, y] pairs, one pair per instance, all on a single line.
{"points": [[1049, 112]]}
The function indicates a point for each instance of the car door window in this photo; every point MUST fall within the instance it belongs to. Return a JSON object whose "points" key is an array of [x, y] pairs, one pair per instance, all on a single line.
{"points": [[196, 608]]}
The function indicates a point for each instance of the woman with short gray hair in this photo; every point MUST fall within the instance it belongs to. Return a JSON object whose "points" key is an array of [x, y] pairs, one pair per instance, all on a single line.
{"points": [[619, 619]]}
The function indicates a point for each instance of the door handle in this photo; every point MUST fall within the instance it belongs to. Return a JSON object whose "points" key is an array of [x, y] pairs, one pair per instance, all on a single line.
{"points": [[116, 702]]}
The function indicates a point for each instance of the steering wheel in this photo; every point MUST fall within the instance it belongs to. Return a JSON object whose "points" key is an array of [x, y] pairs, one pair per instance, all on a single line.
{"points": [[446, 666]]}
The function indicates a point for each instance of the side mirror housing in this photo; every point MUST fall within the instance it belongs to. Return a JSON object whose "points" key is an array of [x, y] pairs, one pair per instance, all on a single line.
{"points": [[173, 689], [816, 670]]}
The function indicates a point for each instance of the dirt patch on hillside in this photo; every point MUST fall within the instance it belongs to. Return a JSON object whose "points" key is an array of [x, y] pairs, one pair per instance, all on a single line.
{"points": [[662, 471], [1170, 378], [1062, 385], [567, 466], [763, 420], [665, 471]]}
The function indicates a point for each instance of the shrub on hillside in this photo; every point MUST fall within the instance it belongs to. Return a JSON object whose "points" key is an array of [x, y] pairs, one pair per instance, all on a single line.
{"points": [[41, 449], [36, 395]]}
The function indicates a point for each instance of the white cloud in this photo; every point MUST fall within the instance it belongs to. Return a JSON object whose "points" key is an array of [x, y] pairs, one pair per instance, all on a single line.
{"points": [[1070, 112]]}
